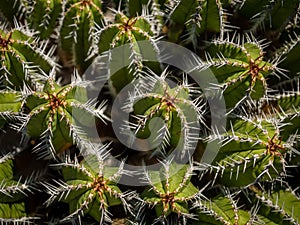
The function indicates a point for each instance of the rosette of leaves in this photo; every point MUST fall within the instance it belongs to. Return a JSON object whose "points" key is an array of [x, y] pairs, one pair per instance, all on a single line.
{"points": [[57, 114], [170, 191], [267, 204], [240, 70], [124, 31], [89, 187], [252, 151], [78, 30], [13, 192], [179, 113], [21, 58]]}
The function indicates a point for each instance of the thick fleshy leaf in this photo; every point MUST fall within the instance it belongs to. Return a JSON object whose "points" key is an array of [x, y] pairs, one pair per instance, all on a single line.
{"points": [[11, 189], [170, 190]]}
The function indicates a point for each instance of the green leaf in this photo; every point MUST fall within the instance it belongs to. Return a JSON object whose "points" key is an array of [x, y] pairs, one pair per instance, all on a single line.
{"points": [[74, 173], [11, 190], [244, 154], [240, 70], [254, 50], [6, 170], [251, 8], [177, 173], [38, 123], [96, 208], [291, 59], [135, 7], [78, 202], [291, 127], [78, 30], [170, 190]]}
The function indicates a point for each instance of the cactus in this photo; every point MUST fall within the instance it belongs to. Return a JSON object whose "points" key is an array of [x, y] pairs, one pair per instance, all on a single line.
{"points": [[21, 58], [197, 17], [77, 159], [76, 33], [13, 192], [89, 188], [52, 115], [126, 30], [172, 194], [260, 149], [248, 70], [10, 106], [46, 22], [222, 210], [174, 106]]}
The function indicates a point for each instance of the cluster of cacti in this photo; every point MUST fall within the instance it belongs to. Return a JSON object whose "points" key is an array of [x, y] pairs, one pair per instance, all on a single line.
{"points": [[152, 146]]}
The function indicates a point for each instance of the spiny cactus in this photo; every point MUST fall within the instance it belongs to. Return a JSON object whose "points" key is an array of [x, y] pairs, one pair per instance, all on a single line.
{"points": [[170, 193], [280, 205], [89, 187], [10, 106], [78, 27], [21, 57], [13, 192], [251, 151], [222, 210], [52, 115], [126, 30], [154, 98], [240, 68], [150, 166], [197, 17], [43, 16]]}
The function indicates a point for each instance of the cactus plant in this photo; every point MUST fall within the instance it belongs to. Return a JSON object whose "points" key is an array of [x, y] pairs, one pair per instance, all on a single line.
{"points": [[70, 165], [172, 193], [21, 57], [89, 188], [13, 194]]}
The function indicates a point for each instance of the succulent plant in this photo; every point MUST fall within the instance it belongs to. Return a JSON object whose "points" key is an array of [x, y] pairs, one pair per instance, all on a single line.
{"points": [[89, 188], [22, 57], [56, 112], [13, 194], [171, 193], [77, 159]]}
